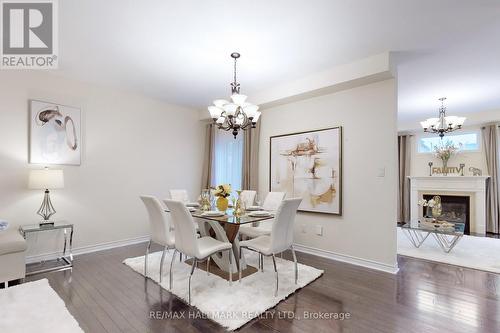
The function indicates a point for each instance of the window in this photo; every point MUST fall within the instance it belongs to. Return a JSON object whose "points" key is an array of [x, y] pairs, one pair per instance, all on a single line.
{"points": [[466, 142], [228, 164]]}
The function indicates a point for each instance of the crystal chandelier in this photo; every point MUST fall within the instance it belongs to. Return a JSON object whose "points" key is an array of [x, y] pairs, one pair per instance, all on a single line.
{"points": [[443, 124], [237, 114]]}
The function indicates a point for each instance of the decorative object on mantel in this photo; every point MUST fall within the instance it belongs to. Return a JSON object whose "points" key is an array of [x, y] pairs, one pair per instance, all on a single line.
{"points": [[476, 171], [443, 124], [44, 180], [445, 152], [235, 116], [430, 168], [55, 136], [462, 167], [222, 192]]}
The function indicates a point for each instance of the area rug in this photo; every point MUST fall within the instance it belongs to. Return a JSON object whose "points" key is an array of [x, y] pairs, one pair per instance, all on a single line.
{"points": [[474, 252], [230, 306], [34, 307]]}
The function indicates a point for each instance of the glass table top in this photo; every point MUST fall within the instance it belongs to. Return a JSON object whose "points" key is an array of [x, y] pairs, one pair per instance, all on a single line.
{"points": [[429, 226], [43, 227], [231, 219]]}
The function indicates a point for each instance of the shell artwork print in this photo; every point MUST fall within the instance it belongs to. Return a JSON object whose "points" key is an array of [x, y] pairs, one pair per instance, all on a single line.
{"points": [[55, 136], [308, 165]]}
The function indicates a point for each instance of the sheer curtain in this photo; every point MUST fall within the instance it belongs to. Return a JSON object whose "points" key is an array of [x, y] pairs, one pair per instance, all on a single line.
{"points": [[228, 159]]}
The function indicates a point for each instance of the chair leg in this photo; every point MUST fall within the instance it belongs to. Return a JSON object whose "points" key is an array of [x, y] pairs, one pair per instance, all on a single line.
{"points": [[171, 265], [161, 262], [239, 266], [146, 259], [276, 272], [231, 266], [180, 257], [295, 262], [261, 263], [208, 265], [189, 283]]}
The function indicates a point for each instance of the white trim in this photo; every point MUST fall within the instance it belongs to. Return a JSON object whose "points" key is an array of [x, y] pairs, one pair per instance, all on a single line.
{"points": [[88, 249], [348, 259]]}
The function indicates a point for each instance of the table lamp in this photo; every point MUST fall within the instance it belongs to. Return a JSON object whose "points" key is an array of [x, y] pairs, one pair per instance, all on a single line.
{"points": [[44, 180]]}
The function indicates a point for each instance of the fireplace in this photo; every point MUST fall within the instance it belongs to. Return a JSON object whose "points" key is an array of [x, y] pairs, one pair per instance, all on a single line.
{"points": [[454, 209]]}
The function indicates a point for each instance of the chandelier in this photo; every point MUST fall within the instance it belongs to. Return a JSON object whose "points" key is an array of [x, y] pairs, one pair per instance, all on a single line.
{"points": [[443, 124], [235, 115]]}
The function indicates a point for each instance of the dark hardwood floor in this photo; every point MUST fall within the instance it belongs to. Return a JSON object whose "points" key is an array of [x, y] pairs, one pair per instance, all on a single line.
{"points": [[104, 295]]}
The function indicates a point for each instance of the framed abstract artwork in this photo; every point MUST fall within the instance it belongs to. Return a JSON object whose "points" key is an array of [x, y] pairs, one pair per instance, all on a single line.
{"points": [[309, 165], [55, 136]]}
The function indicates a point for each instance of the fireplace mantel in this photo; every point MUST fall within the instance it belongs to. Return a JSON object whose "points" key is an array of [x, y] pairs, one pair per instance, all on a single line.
{"points": [[474, 186]]}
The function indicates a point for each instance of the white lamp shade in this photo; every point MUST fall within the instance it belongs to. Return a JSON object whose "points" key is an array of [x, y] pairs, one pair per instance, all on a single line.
{"points": [[238, 99], [221, 120], [220, 103], [251, 110], [230, 109], [215, 112], [46, 179]]}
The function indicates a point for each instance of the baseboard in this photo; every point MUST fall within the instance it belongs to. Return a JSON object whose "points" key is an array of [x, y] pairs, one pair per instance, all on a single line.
{"points": [[301, 248], [347, 259], [88, 249]]}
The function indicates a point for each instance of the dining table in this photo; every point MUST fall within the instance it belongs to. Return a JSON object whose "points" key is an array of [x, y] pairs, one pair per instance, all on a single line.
{"points": [[225, 228]]}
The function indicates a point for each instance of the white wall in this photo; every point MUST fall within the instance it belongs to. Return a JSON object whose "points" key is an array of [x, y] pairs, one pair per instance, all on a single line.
{"points": [[419, 161], [132, 145], [366, 232]]}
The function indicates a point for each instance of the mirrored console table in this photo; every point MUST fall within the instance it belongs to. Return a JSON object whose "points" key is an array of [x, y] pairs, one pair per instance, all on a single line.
{"points": [[66, 260]]}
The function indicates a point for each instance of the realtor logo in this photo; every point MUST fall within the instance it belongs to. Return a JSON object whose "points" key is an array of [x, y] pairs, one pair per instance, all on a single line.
{"points": [[29, 34]]}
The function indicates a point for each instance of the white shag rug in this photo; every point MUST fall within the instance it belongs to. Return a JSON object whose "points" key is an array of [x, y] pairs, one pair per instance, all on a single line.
{"points": [[34, 307], [230, 306], [481, 253]]}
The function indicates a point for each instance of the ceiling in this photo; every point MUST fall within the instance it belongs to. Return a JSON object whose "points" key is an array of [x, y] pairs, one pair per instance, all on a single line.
{"points": [[179, 50]]}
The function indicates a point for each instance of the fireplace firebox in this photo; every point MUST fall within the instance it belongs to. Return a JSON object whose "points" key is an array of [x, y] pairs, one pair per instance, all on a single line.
{"points": [[455, 209]]}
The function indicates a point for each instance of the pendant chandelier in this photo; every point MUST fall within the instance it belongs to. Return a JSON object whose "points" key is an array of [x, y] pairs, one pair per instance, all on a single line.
{"points": [[443, 124], [235, 115]]}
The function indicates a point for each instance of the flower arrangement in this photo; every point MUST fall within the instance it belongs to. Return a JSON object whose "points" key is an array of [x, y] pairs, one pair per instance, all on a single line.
{"points": [[223, 190], [427, 203], [445, 151]]}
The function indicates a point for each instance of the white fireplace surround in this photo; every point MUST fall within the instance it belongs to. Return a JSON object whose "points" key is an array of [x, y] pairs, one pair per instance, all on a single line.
{"points": [[472, 186]]}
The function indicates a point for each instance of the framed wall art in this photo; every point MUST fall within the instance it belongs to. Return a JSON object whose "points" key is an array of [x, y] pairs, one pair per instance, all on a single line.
{"points": [[55, 136], [309, 165]]}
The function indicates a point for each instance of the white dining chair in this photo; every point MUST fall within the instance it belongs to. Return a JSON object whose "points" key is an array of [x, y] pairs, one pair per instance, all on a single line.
{"points": [[161, 229], [280, 239], [271, 203], [248, 197], [179, 195], [188, 243]]}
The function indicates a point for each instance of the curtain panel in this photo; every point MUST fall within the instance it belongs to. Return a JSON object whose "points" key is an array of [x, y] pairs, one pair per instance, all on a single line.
{"points": [[208, 157], [251, 158], [404, 160], [490, 140]]}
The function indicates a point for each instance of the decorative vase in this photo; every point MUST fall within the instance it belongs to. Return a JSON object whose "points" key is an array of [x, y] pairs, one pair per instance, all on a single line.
{"points": [[428, 211], [437, 210], [222, 204], [239, 206], [445, 167]]}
